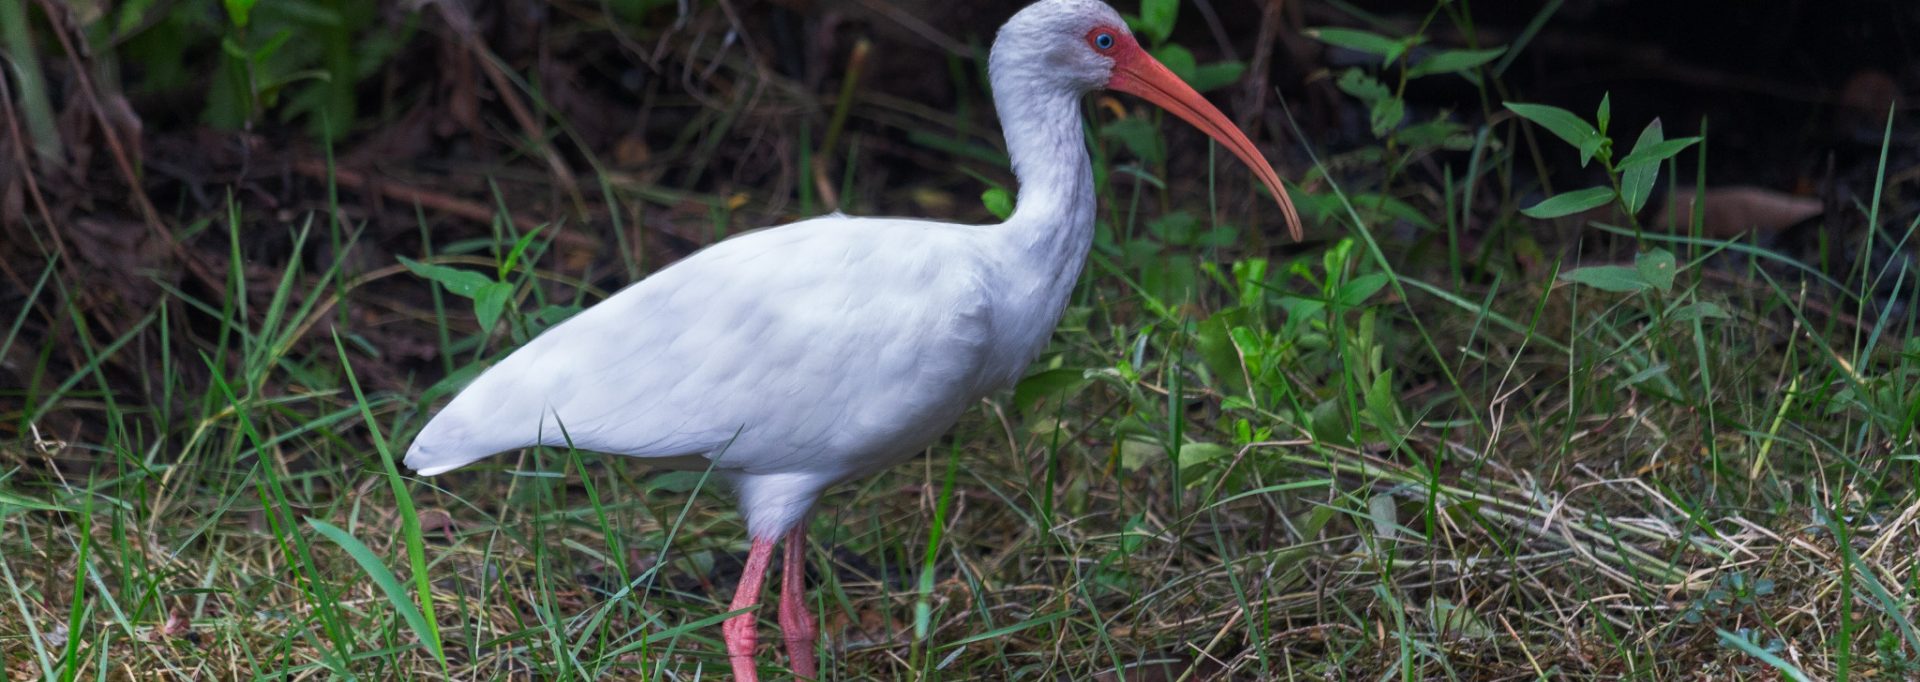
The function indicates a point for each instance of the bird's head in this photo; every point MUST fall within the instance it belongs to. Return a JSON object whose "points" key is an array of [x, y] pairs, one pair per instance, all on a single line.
{"points": [[1068, 44], [1083, 45]]}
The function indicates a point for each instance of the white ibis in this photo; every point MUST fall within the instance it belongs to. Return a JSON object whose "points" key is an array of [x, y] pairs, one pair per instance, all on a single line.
{"points": [[797, 357]]}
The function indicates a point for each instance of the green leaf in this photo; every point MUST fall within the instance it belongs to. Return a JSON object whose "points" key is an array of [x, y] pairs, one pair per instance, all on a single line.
{"points": [[1385, 515], [1656, 151], [1170, 280], [1362, 86], [998, 201], [1193, 454], [1376, 205], [674, 481], [1440, 133], [1361, 288], [1052, 383], [1251, 344], [1136, 453], [1386, 115], [1202, 78], [1389, 49], [425, 625], [1457, 621], [1383, 406], [1177, 59], [270, 87], [556, 314], [1896, 608], [519, 248], [239, 11], [1564, 125], [1570, 203], [1636, 180], [1614, 278], [1157, 17], [453, 382], [1002, 634], [458, 282], [655, 638], [1788, 670], [1604, 116], [1657, 268], [490, 302], [10, 502], [1642, 376], [233, 49], [1252, 276], [1179, 228], [1213, 339], [1138, 135], [1454, 61], [1210, 77], [1218, 236], [381, 576], [1384, 111], [1699, 310], [267, 50]]}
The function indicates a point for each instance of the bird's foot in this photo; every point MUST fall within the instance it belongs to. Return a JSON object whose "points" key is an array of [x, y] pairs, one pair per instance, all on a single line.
{"points": [[738, 631], [797, 625], [798, 629], [739, 634]]}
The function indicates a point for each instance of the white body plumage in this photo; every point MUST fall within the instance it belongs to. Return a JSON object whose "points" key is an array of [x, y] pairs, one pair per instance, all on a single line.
{"points": [[795, 357]]}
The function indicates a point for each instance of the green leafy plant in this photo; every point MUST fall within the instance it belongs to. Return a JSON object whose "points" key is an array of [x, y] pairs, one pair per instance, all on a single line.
{"points": [[1730, 596], [1382, 90], [493, 297], [266, 69], [1386, 106], [489, 296], [1631, 179], [1351, 346]]}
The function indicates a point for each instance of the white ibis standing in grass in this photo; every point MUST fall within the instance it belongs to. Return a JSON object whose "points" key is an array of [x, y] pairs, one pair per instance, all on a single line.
{"points": [[794, 358]]}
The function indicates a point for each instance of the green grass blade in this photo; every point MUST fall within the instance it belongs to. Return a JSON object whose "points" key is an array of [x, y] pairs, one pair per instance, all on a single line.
{"points": [[13, 502], [371, 564], [1737, 642], [428, 627], [999, 632]]}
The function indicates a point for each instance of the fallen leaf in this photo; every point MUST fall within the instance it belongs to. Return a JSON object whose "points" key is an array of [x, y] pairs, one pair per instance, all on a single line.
{"points": [[1732, 211]]}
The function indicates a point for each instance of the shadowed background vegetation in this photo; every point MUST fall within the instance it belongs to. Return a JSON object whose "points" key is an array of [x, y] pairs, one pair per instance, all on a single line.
{"points": [[1598, 361]]}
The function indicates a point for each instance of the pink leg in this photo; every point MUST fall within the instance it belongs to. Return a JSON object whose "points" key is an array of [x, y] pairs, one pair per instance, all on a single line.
{"points": [[739, 630], [796, 622]]}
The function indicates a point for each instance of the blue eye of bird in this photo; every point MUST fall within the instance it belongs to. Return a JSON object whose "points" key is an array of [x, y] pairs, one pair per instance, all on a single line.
{"points": [[1103, 41]]}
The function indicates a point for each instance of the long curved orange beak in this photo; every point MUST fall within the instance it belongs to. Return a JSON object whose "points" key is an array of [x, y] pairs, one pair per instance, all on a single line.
{"points": [[1137, 73]]}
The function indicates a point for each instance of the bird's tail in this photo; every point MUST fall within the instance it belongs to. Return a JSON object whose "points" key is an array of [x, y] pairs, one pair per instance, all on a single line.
{"points": [[444, 446], [426, 462]]}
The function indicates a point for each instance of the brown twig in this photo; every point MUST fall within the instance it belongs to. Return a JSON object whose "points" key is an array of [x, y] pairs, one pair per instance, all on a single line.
{"points": [[1219, 30], [919, 27], [148, 213], [437, 201], [26, 170], [462, 25], [1253, 93]]}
